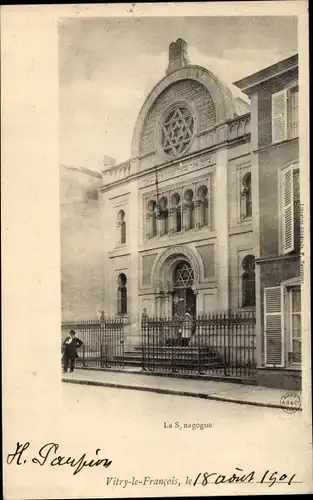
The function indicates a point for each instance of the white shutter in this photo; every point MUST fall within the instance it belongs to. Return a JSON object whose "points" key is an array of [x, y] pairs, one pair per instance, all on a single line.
{"points": [[279, 116], [288, 211], [274, 326]]}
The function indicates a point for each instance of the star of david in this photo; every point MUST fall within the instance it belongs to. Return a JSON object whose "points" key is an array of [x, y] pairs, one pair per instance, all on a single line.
{"points": [[184, 275], [177, 131]]}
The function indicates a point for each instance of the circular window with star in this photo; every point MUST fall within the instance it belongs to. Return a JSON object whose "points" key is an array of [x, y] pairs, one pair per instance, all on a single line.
{"points": [[177, 131]]}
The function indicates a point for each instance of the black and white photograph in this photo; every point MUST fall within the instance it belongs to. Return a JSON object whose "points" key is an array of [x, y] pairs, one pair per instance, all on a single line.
{"points": [[181, 338]]}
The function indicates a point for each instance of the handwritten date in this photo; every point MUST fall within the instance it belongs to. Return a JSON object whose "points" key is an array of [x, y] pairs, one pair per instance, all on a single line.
{"points": [[239, 476]]}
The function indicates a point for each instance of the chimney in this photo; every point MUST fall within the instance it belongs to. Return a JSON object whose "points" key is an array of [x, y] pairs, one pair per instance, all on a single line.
{"points": [[108, 162], [178, 56]]}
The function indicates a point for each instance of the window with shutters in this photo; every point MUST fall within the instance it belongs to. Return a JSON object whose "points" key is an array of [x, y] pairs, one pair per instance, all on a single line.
{"points": [[290, 209], [295, 325], [274, 326], [293, 112], [285, 114]]}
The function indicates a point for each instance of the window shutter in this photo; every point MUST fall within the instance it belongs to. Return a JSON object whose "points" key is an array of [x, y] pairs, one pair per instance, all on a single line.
{"points": [[279, 116], [288, 211], [274, 326]]}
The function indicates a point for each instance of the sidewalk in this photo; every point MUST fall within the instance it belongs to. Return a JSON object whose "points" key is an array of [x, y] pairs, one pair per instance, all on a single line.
{"points": [[205, 389]]}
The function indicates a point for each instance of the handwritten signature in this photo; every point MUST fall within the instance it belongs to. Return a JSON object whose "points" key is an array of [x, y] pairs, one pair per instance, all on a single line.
{"points": [[47, 455]]}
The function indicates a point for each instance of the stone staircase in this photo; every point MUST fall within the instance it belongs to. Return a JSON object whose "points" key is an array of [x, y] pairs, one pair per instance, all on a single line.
{"points": [[167, 356]]}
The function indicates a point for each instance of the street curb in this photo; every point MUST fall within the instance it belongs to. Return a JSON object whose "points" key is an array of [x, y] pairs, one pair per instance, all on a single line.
{"points": [[173, 392], [216, 378]]}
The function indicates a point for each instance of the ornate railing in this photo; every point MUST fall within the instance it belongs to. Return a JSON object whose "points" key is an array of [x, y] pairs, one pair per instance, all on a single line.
{"points": [[103, 341], [116, 173], [214, 344], [239, 126]]}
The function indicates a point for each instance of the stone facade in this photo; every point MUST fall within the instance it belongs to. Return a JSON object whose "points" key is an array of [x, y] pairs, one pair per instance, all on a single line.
{"points": [[181, 196]]}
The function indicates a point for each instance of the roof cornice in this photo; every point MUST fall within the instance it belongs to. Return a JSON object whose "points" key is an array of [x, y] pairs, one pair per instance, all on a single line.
{"points": [[248, 83]]}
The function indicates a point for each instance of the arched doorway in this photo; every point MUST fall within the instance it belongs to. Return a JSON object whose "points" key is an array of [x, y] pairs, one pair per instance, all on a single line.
{"points": [[184, 297]]}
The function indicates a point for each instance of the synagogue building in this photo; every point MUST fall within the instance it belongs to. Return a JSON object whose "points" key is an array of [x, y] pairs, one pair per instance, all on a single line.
{"points": [[204, 216]]}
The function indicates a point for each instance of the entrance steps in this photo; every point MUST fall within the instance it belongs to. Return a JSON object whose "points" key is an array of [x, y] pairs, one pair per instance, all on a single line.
{"points": [[131, 357], [165, 356]]}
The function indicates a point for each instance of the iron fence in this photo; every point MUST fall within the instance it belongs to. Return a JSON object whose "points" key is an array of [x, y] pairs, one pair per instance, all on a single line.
{"points": [[103, 342], [213, 344]]}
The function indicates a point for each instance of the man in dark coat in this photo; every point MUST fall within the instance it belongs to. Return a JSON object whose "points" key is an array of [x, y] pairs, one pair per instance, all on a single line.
{"points": [[70, 346]]}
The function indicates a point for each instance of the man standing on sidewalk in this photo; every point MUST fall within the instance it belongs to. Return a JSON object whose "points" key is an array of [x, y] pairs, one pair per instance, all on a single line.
{"points": [[70, 346]]}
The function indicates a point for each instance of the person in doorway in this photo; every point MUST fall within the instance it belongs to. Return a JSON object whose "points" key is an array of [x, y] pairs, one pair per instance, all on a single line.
{"points": [[187, 328], [70, 346]]}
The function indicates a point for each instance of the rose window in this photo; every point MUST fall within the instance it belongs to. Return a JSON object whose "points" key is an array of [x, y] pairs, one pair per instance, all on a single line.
{"points": [[177, 131]]}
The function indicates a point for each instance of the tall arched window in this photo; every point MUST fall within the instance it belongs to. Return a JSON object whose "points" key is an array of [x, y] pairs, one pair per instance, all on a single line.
{"points": [[189, 222], [177, 219], [246, 193], [248, 281], [122, 227], [163, 215], [122, 294], [204, 207], [151, 219]]}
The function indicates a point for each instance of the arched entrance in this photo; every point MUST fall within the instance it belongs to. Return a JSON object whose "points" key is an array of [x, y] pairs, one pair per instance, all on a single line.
{"points": [[184, 298], [176, 277]]}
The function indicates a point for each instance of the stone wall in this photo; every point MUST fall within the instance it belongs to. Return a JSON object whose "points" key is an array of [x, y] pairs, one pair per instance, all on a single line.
{"points": [[81, 252]]}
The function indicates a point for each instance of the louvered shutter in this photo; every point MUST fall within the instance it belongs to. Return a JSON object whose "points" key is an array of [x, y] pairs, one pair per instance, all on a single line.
{"points": [[279, 116], [288, 211], [274, 326]]}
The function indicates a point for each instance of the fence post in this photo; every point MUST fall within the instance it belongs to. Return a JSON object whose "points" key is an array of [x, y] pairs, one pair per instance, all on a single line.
{"points": [[172, 356], [198, 341], [84, 361], [225, 337], [102, 340], [144, 326], [120, 327]]}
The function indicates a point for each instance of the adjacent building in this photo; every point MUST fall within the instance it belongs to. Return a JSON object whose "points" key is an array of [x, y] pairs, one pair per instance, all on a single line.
{"points": [[274, 94], [81, 243]]}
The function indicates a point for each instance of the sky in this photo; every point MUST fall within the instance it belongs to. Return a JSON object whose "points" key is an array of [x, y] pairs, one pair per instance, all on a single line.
{"points": [[108, 66]]}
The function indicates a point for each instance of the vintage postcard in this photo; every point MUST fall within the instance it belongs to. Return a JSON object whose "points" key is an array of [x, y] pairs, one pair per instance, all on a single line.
{"points": [[156, 257]]}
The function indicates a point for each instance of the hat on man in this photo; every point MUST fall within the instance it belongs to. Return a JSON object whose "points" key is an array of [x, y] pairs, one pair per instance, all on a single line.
{"points": [[72, 332]]}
